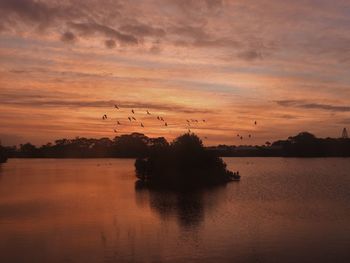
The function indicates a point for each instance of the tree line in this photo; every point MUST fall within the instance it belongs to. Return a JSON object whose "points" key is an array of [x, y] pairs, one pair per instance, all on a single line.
{"points": [[136, 145]]}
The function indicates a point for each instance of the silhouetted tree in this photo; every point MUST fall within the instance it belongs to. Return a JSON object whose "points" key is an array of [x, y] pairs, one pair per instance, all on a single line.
{"points": [[134, 145], [131, 145]]}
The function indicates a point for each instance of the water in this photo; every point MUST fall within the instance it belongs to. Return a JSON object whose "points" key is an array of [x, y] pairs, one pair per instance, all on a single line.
{"points": [[283, 210]]}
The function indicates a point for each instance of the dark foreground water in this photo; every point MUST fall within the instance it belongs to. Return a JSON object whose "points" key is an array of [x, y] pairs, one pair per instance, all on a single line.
{"points": [[283, 210]]}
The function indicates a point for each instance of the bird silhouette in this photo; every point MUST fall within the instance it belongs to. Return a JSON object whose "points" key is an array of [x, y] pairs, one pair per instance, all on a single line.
{"points": [[161, 118], [189, 131], [133, 112], [158, 118], [166, 124], [115, 130], [104, 117], [203, 120], [255, 123], [116, 106], [187, 120], [133, 118], [142, 125], [241, 138], [118, 122], [129, 118], [148, 112], [250, 136]]}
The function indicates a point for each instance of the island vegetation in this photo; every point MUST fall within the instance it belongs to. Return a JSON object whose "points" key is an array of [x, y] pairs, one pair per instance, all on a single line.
{"points": [[182, 163], [3, 156]]}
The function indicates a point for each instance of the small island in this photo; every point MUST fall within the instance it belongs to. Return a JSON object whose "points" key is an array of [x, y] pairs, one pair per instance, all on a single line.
{"points": [[184, 163], [3, 157]]}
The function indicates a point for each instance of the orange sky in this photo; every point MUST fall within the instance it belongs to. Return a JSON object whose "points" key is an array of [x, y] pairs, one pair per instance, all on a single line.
{"points": [[63, 64]]}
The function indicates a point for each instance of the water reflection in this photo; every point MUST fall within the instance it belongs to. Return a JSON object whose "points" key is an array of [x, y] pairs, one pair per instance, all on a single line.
{"points": [[187, 207], [284, 210]]}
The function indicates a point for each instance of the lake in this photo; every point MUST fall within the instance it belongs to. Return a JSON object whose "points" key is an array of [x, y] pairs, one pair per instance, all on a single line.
{"points": [[88, 210]]}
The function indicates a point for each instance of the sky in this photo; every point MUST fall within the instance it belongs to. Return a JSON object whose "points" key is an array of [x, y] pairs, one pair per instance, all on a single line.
{"points": [[64, 64]]}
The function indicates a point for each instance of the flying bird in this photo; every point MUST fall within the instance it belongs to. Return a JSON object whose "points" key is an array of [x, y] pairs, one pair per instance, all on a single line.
{"points": [[115, 130], [133, 118], [116, 106], [255, 123], [203, 120], [165, 124], [158, 118], [241, 138], [148, 112], [250, 136], [133, 112], [142, 125], [104, 117], [129, 118], [118, 123], [161, 118]]}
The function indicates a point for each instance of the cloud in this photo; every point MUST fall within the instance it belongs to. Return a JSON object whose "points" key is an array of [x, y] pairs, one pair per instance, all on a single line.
{"points": [[198, 7], [110, 43], [68, 37], [28, 10], [91, 28], [143, 30], [309, 105], [42, 14], [40, 100], [187, 25], [250, 55]]}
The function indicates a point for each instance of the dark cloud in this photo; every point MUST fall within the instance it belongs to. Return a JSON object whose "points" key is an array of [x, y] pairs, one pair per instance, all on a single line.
{"points": [[199, 7], [143, 30], [186, 25], [28, 10], [110, 43], [214, 4], [250, 55], [188, 35], [68, 37], [92, 28], [39, 13], [57, 100], [189, 31], [155, 49], [308, 105]]}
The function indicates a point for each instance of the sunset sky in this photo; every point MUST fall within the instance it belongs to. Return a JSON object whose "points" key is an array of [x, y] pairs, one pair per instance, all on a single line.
{"points": [[64, 63]]}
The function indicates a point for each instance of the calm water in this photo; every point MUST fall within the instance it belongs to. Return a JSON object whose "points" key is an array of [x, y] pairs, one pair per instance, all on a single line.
{"points": [[283, 210]]}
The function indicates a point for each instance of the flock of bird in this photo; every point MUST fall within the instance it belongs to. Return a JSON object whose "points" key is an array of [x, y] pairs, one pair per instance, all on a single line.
{"points": [[189, 122]]}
